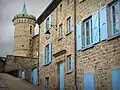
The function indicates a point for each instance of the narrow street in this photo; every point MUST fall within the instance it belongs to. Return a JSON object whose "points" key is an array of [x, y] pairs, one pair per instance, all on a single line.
{"points": [[8, 82]]}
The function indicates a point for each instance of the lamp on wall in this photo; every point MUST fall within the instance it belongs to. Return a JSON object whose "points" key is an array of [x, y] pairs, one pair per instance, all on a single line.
{"points": [[47, 34]]}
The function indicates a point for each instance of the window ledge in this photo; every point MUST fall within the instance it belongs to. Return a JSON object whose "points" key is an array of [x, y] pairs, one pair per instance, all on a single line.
{"points": [[114, 36], [69, 72], [68, 33], [59, 39], [87, 47]]}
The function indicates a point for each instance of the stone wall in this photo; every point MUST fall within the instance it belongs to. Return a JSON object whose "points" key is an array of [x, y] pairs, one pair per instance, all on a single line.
{"points": [[99, 59], [35, 46], [58, 45], [19, 63]]}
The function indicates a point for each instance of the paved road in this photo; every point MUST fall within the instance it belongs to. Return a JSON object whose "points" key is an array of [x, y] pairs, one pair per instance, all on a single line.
{"points": [[9, 82]]}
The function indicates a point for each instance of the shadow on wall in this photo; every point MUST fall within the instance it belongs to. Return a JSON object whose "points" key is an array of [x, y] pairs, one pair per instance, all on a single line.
{"points": [[2, 64]]}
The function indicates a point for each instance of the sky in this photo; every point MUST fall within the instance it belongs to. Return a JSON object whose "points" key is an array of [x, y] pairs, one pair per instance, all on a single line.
{"points": [[8, 9]]}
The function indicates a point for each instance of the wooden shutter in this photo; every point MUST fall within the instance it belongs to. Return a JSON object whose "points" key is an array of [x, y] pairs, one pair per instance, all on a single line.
{"points": [[116, 80], [103, 23], [95, 27], [79, 36], [45, 26], [50, 52], [50, 21], [43, 55], [89, 81]]}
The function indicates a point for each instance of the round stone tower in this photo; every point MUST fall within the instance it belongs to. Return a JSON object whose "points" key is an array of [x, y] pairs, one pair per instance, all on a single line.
{"points": [[24, 26]]}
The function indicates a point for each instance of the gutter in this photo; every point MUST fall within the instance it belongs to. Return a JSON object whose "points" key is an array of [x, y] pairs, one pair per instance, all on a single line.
{"points": [[75, 50], [38, 57]]}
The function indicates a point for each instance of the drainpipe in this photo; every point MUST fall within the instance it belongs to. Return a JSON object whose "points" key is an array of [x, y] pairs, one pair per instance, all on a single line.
{"points": [[75, 49], [38, 56]]}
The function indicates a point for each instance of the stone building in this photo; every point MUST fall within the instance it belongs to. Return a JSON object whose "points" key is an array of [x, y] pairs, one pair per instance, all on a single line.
{"points": [[24, 61], [79, 45], [24, 24]]}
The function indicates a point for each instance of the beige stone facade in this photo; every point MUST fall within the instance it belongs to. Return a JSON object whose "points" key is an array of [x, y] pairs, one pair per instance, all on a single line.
{"points": [[35, 46], [100, 58], [24, 25]]}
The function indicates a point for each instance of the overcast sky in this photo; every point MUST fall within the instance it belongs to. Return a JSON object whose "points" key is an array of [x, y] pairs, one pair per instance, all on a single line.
{"points": [[8, 9]]}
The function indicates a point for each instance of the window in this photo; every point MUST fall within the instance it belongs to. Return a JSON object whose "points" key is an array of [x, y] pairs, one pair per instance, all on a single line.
{"points": [[61, 8], [69, 25], [47, 23], [68, 2], [47, 54], [114, 14], [30, 29], [22, 45], [30, 41], [69, 60], [88, 31], [60, 31], [47, 82]]}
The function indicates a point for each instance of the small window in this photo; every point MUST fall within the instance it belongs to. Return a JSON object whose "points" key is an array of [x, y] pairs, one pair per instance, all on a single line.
{"points": [[22, 45], [47, 54], [60, 31], [115, 19], [30, 29], [61, 8], [47, 23], [88, 31], [69, 25], [47, 82], [69, 61], [68, 1], [30, 41]]}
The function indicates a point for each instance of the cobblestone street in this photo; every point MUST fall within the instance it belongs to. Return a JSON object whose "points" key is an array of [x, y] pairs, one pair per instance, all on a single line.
{"points": [[8, 82]]}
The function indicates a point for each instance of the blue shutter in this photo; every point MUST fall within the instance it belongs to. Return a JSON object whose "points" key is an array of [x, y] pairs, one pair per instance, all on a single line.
{"points": [[45, 26], [89, 81], [95, 27], [50, 21], [116, 80], [34, 76], [79, 36], [103, 23], [50, 52], [23, 75], [43, 55]]}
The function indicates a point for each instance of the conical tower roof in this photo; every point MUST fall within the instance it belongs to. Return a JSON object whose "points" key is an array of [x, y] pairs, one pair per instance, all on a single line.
{"points": [[24, 10]]}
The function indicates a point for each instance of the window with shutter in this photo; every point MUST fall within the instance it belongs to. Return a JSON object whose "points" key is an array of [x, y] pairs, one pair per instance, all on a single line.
{"points": [[114, 17], [88, 31], [79, 36], [95, 27], [103, 23], [47, 23], [47, 54]]}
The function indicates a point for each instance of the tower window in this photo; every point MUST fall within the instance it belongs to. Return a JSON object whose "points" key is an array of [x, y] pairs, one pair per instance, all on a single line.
{"points": [[30, 41], [68, 2], [61, 8], [30, 29], [22, 45]]}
